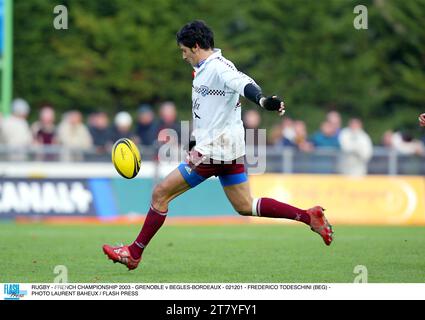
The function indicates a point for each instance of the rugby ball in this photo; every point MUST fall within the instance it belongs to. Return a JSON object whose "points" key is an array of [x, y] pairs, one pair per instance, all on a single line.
{"points": [[126, 158]]}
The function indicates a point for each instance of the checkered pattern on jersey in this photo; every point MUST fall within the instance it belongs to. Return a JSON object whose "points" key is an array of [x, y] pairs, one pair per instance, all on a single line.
{"points": [[204, 91]]}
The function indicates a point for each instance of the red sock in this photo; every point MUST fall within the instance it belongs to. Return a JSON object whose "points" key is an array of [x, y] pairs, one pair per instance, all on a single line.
{"points": [[154, 220], [271, 208]]}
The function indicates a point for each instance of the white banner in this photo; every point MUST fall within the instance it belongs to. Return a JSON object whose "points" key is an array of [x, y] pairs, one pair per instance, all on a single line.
{"points": [[78, 169], [211, 291]]}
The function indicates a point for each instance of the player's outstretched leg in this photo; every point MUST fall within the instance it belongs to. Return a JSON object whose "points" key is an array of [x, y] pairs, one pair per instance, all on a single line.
{"points": [[314, 217], [131, 255], [240, 197]]}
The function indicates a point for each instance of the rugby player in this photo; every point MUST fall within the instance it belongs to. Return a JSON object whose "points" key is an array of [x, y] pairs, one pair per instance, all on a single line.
{"points": [[219, 146]]}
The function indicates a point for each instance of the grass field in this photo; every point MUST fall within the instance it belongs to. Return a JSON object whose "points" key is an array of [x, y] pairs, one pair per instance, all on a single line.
{"points": [[233, 253]]}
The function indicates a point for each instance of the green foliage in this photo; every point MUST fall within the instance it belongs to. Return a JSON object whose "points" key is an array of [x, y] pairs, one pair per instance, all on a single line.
{"points": [[119, 53]]}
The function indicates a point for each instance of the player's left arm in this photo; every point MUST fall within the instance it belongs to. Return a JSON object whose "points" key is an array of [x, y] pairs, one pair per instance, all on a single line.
{"points": [[271, 103], [247, 87]]}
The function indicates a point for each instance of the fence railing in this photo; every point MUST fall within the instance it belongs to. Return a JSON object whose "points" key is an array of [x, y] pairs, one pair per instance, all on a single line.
{"points": [[278, 159], [329, 161]]}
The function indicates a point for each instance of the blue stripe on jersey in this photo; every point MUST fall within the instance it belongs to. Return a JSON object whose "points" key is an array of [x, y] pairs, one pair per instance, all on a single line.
{"points": [[232, 179], [190, 175]]}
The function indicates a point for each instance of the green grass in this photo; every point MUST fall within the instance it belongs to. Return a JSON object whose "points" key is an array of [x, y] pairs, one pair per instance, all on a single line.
{"points": [[241, 253]]}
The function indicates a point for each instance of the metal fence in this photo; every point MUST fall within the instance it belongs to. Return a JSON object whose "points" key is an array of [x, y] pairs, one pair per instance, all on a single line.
{"points": [[384, 161], [278, 159]]}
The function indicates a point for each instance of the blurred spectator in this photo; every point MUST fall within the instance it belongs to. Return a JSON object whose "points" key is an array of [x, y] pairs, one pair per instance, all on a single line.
{"points": [[15, 131], [168, 121], [326, 137], [74, 136], [122, 126], [422, 120], [357, 149], [387, 139], [15, 128], [404, 143], [284, 134], [301, 136], [422, 124], [251, 120], [100, 132], [334, 117], [147, 126], [44, 130]]}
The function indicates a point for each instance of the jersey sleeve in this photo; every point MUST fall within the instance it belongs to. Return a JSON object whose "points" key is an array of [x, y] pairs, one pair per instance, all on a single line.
{"points": [[232, 78]]}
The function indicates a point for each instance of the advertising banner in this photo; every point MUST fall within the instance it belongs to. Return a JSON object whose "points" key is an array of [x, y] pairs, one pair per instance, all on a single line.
{"points": [[103, 198], [56, 197], [369, 200]]}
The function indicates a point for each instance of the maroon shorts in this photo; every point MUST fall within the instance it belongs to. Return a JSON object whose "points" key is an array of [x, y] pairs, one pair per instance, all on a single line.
{"points": [[198, 168]]}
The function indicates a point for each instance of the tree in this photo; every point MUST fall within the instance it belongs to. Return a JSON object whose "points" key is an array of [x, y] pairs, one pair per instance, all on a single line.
{"points": [[119, 53]]}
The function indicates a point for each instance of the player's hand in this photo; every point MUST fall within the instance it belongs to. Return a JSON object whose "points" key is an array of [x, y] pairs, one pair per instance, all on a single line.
{"points": [[273, 103], [194, 158], [422, 120]]}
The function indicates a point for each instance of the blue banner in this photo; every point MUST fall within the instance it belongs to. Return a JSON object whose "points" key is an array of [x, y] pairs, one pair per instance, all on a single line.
{"points": [[48, 198], [104, 198]]}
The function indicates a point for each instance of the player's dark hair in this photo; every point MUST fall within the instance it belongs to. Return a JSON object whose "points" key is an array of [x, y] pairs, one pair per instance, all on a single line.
{"points": [[196, 32]]}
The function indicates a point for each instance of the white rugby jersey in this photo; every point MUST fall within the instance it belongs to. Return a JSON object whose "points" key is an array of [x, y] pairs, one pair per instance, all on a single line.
{"points": [[216, 110]]}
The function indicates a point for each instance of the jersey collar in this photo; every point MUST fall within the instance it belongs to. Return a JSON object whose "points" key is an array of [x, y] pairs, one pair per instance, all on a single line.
{"points": [[203, 63]]}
